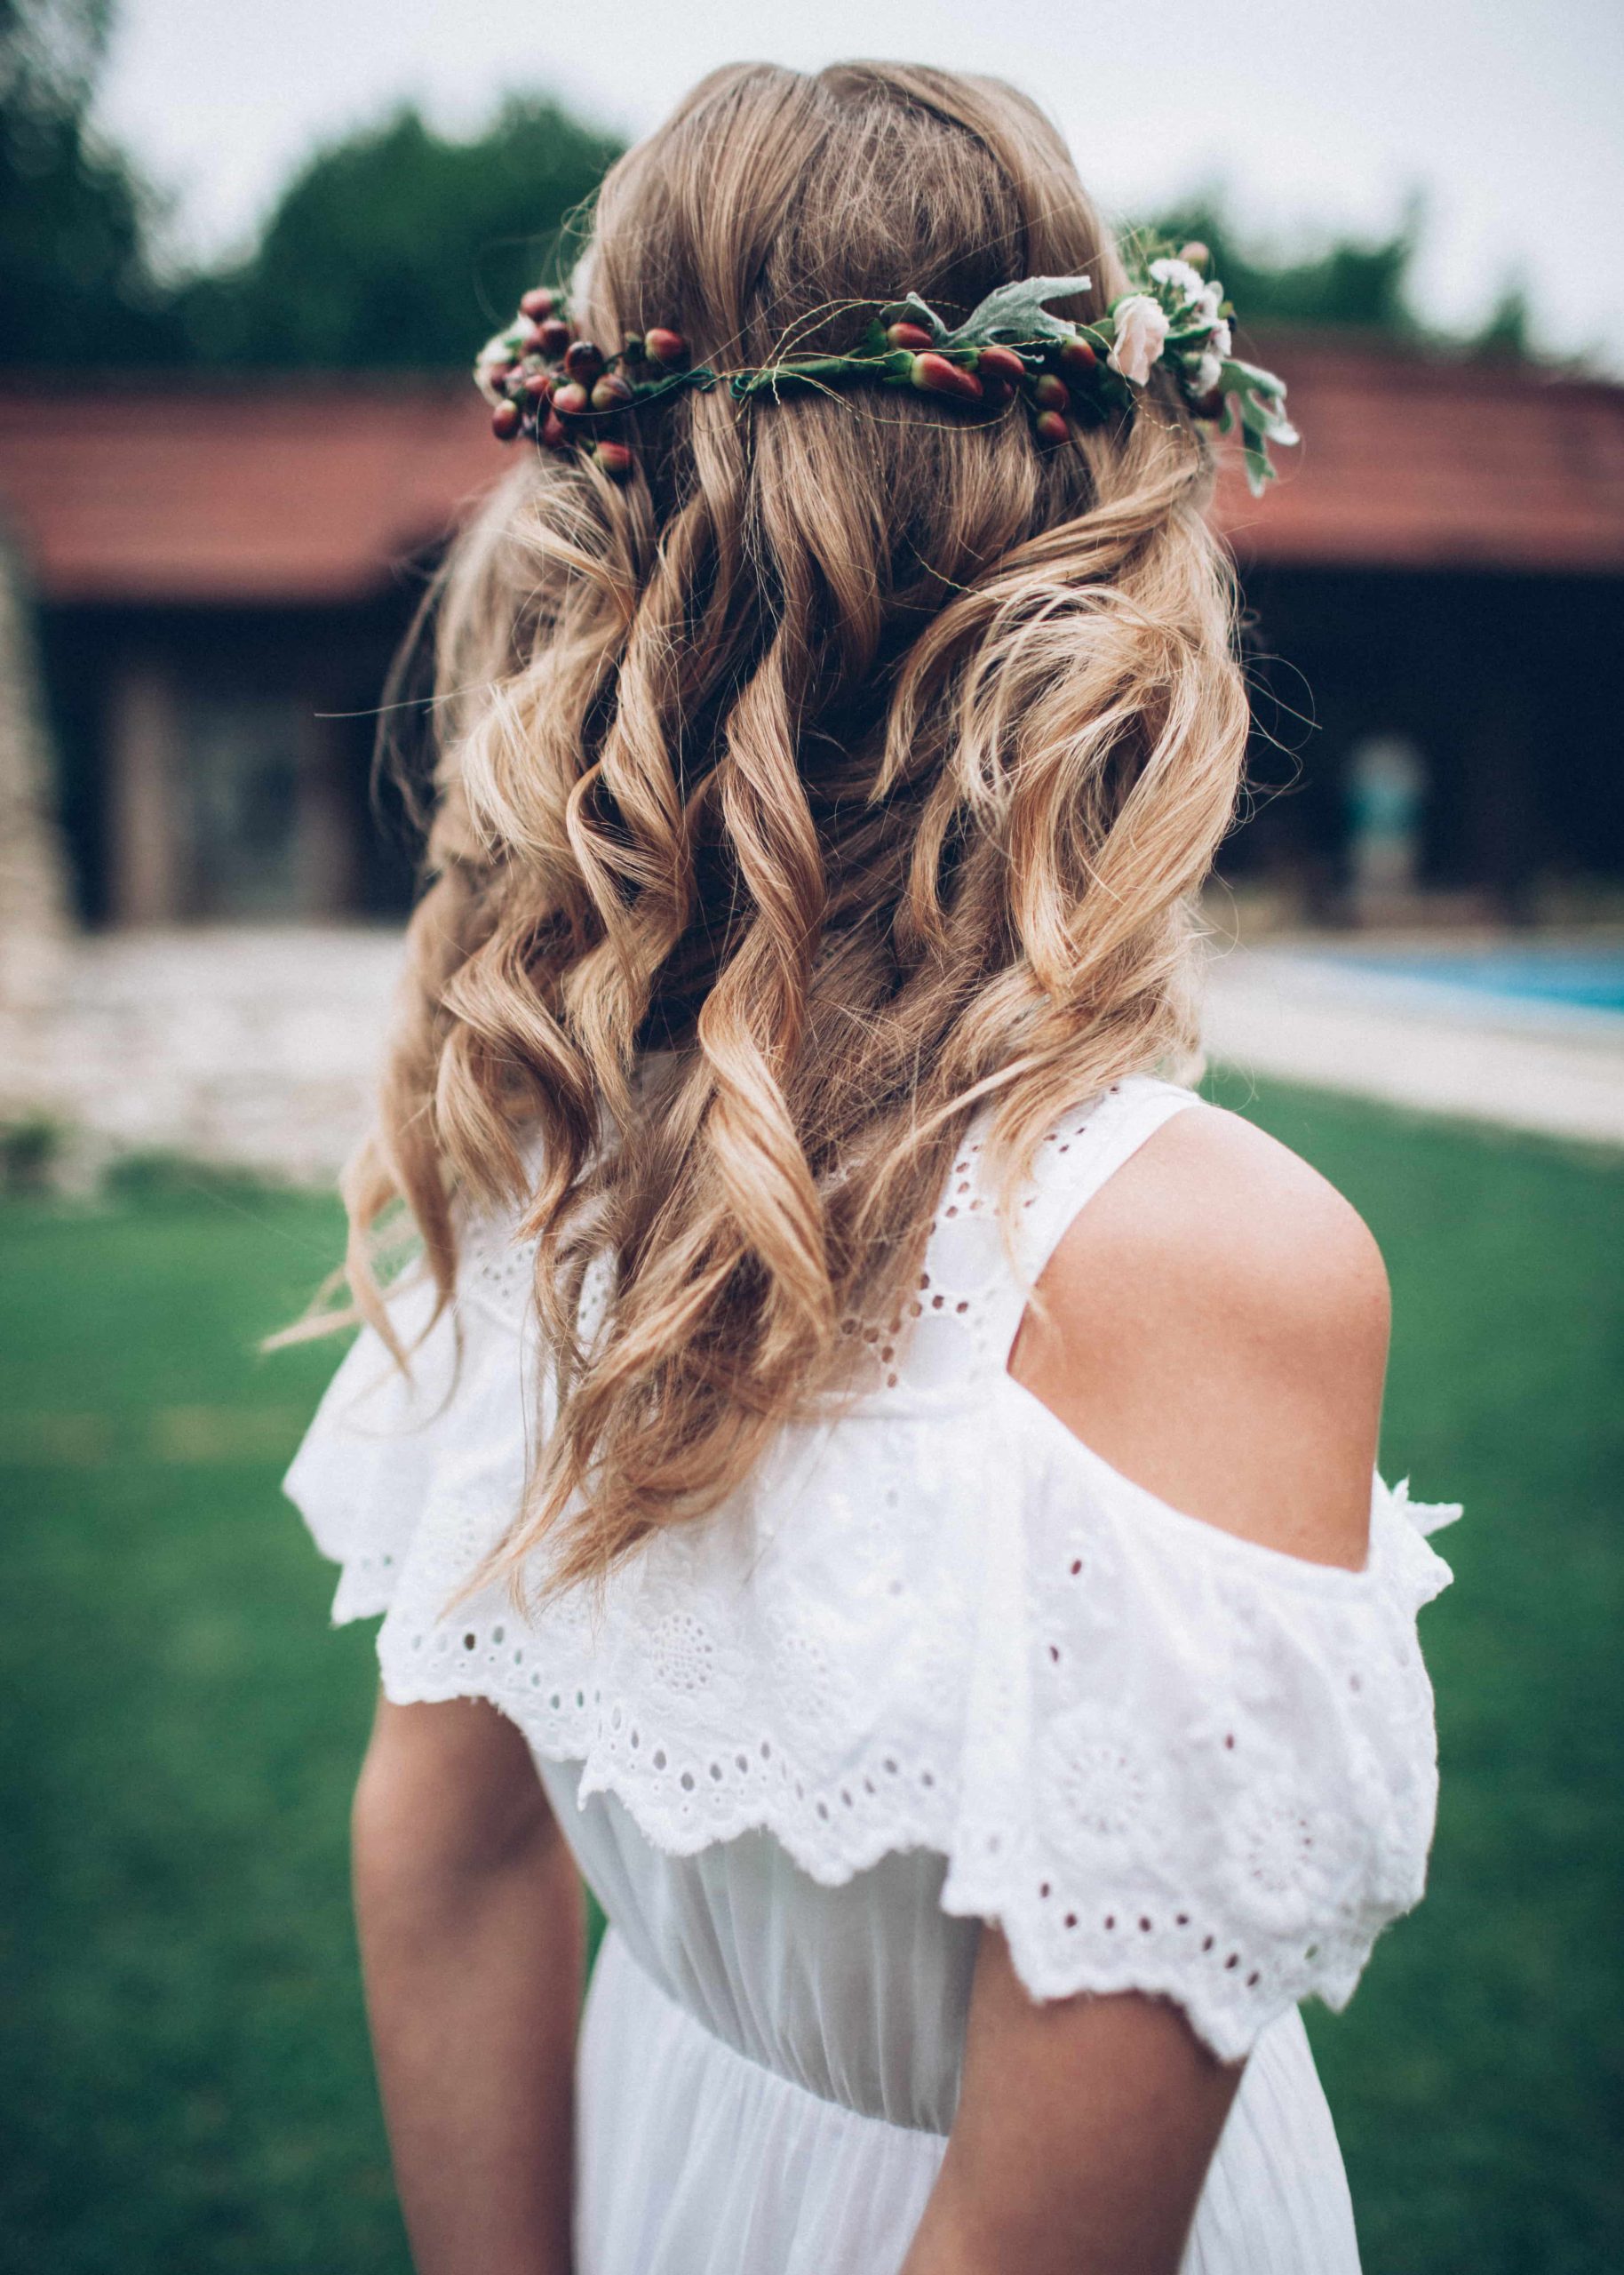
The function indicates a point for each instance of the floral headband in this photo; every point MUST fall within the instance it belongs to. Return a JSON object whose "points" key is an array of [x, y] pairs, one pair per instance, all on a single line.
{"points": [[547, 385]]}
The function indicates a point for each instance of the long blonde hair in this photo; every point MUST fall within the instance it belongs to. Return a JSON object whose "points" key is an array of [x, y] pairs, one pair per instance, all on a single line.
{"points": [[853, 766]]}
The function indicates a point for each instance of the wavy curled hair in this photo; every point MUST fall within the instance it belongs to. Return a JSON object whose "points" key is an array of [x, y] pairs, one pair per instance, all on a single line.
{"points": [[852, 767]]}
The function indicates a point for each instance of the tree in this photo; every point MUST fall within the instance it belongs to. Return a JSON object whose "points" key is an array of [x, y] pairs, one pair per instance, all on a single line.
{"points": [[399, 246], [1505, 331], [74, 214], [1349, 282]]}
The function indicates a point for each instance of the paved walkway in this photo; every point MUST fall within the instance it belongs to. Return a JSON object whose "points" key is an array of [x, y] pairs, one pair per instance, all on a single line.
{"points": [[1288, 1012], [258, 1047]]}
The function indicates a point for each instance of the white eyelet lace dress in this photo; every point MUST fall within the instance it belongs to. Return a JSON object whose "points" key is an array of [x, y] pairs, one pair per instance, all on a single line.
{"points": [[940, 1663]]}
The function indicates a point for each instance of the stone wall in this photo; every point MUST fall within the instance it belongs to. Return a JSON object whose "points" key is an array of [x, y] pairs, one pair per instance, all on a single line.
{"points": [[251, 1046], [34, 894]]}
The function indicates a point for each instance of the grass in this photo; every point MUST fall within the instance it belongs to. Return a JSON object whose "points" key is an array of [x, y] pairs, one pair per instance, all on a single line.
{"points": [[184, 2078], [1477, 2077]]}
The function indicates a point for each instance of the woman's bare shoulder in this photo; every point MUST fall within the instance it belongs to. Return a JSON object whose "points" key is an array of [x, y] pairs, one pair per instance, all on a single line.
{"points": [[1214, 1324]]}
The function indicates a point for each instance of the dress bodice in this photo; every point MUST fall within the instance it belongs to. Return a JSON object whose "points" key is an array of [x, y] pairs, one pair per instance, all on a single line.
{"points": [[856, 1993]]}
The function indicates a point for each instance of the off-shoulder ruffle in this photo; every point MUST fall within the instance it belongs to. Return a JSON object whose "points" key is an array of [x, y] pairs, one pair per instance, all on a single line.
{"points": [[1161, 1757]]}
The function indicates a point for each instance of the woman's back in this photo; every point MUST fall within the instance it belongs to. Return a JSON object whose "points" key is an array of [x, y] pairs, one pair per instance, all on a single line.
{"points": [[937, 1662]]}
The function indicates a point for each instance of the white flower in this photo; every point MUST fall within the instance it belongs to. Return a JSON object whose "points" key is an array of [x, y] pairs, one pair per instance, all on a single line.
{"points": [[494, 356], [1141, 327], [1219, 347], [1188, 281], [1208, 302]]}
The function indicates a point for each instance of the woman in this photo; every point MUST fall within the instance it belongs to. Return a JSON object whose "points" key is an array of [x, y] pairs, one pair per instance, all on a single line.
{"points": [[872, 1472]]}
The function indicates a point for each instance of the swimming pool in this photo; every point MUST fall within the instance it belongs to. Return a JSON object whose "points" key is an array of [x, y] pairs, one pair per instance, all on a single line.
{"points": [[1592, 978]]}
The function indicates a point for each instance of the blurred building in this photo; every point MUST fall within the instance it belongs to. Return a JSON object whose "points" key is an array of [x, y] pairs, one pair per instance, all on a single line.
{"points": [[1435, 589], [223, 571], [224, 568]]}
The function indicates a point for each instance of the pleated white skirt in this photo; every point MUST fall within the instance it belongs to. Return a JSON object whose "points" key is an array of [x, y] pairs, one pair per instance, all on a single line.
{"points": [[694, 2158]]}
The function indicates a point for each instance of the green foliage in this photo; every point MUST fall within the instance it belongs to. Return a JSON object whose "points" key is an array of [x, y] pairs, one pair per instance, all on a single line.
{"points": [[1505, 329], [1013, 312], [1347, 282], [155, 1176], [399, 246], [184, 2075], [75, 217], [29, 1146], [391, 247], [50, 53]]}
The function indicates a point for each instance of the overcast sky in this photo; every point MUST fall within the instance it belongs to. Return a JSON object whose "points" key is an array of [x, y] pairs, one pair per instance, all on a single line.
{"points": [[1325, 113]]}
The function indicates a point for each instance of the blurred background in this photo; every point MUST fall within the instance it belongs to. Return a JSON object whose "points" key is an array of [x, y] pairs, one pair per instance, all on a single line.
{"points": [[245, 259]]}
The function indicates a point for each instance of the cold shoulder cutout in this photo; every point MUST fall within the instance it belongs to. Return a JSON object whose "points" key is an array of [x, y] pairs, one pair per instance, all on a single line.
{"points": [[1214, 1322]]}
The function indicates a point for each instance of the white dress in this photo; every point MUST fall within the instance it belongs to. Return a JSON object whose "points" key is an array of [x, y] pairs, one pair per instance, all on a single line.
{"points": [[939, 1664]]}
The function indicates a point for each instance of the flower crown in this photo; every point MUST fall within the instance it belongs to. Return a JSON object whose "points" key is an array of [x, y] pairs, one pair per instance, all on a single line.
{"points": [[547, 385]]}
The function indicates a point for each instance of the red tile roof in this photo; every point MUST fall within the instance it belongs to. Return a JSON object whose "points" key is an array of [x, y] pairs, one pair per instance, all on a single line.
{"points": [[280, 491], [293, 489], [1420, 461]]}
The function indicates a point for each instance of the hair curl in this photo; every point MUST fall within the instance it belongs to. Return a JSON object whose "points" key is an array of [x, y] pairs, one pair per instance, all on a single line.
{"points": [[854, 765]]}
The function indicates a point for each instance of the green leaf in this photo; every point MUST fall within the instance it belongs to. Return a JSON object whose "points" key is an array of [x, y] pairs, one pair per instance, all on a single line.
{"points": [[1259, 471], [1260, 399], [1254, 380], [1017, 310]]}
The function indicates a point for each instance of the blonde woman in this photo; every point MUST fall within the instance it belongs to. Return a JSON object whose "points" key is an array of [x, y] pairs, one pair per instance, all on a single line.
{"points": [[868, 1472]]}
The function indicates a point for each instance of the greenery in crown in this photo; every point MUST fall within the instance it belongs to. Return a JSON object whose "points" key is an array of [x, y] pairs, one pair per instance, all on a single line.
{"points": [[546, 385]]}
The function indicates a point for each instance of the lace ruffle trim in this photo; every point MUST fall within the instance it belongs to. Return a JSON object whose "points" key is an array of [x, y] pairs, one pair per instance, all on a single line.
{"points": [[1160, 1758]]}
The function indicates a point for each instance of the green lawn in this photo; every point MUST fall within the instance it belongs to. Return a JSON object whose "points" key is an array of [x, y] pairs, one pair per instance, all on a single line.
{"points": [[184, 2080]]}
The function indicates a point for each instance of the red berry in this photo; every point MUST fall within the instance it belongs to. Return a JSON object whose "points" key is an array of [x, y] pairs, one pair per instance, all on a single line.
{"points": [[505, 421], [1077, 358], [529, 341], [536, 303], [610, 393], [913, 337], [997, 391], [1051, 393], [937, 376], [553, 337], [583, 361], [552, 432], [536, 385], [1052, 426], [668, 349], [1002, 362], [1195, 252], [613, 458], [570, 400]]}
